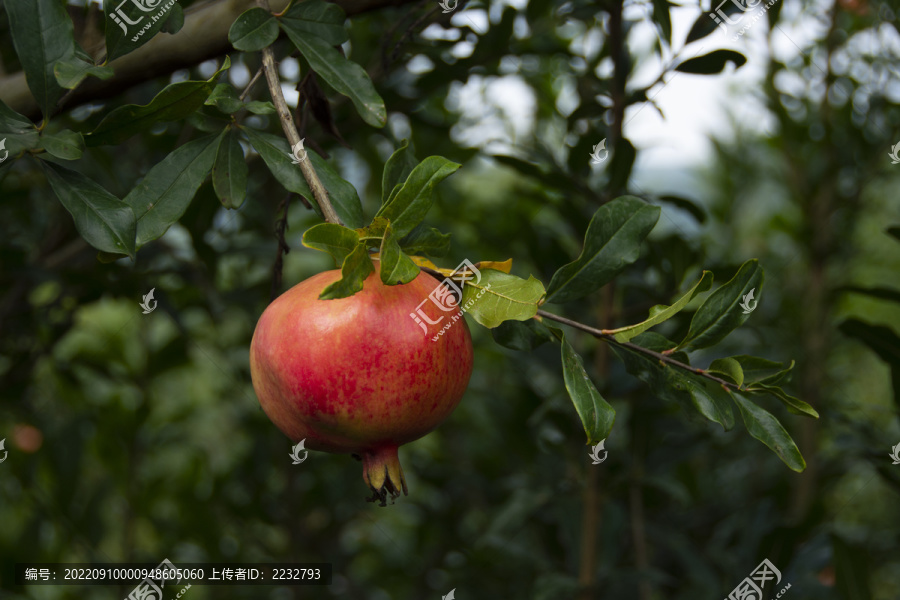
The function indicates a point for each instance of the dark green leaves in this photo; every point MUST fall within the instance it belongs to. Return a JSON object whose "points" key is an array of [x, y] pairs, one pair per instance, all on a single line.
{"points": [[229, 172], [498, 297], [225, 98], [426, 240], [168, 188], [336, 240], [396, 266], [174, 102], [42, 34], [397, 169], [411, 204], [712, 63], [66, 144], [521, 335], [104, 221], [597, 416], [276, 153], [721, 313], [253, 30], [660, 312], [71, 71], [883, 341], [766, 428], [20, 133], [318, 18], [357, 266], [345, 76], [130, 25], [612, 242]]}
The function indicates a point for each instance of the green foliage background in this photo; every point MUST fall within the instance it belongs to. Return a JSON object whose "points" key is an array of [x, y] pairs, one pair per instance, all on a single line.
{"points": [[153, 443]]}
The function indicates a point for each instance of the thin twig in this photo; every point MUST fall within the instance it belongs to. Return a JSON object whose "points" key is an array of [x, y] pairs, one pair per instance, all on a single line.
{"points": [[283, 248], [250, 85], [599, 334], [320, 194]]}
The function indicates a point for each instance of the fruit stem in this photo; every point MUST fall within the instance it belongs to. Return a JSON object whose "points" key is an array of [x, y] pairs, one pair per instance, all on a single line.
{"points": [[383, 474]]}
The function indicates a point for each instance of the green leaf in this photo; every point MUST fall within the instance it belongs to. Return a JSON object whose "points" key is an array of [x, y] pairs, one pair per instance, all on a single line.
{"points": [[225, 98], [763, 370], [882, 293], [175, 21], [794, 405], [176, 101], [426, 240], [883, 341], [258, 107], [71, 71], [613, 241], [673, 384], [728, 367], [129, 26], [521, 335], [42, 34], [276, 153], [396, 267], [705, 25], [661, 312], [253, 30], [341, 192], [167, 189], [684, 204], [397, 170], [321, 19], [104, 221], [766, 428], [662, 18], [497, 296], [416, 196], [345, 76], [597, 416], [712, 63], [721, 313], [20, 133], [66, 144], [356, 268], [229, 171], [336, 240]]}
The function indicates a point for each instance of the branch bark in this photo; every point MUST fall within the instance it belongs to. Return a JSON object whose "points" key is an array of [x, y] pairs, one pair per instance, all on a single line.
{"points": [[203, 37], [606, 337]]}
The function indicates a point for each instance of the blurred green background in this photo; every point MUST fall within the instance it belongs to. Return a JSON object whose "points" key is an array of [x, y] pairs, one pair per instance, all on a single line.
{"points": [[137, 437]]}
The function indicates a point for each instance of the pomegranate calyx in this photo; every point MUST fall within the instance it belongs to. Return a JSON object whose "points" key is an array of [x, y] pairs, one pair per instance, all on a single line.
{"points": [[383, 474]]}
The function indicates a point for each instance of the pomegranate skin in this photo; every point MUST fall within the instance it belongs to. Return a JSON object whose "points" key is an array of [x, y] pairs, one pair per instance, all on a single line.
{"points": [[359, 375]]}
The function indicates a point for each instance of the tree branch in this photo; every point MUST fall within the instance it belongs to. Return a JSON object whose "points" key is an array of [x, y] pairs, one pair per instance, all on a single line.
{"points": [[606, 337], [203, 37], [290, 130]]}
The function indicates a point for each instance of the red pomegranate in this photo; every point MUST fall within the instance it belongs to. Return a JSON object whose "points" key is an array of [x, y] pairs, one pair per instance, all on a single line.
{"points": [[361, 375]]}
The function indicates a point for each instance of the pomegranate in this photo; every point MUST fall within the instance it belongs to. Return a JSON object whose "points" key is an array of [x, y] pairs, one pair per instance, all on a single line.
{"points": [[360, 375]]}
